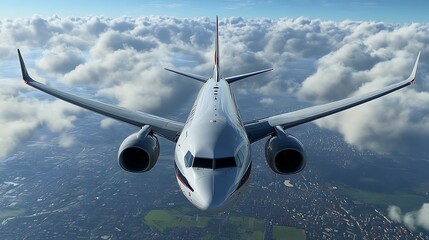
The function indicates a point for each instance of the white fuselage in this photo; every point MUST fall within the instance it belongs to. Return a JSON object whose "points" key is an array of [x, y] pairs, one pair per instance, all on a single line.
{"points": [[212, 154]]}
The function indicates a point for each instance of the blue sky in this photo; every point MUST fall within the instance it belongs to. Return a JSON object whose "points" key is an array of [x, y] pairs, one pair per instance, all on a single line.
{"points": [[381, 10]]}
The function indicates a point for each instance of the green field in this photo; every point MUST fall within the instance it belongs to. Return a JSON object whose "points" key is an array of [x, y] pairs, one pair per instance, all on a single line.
{"points": [[163, 220], [7, 213], [245, 228], [285, 233], [217, 227], [407, 202]]}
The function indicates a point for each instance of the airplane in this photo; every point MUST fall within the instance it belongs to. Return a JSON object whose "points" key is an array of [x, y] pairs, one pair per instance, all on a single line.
{"points": [[212, 154]]}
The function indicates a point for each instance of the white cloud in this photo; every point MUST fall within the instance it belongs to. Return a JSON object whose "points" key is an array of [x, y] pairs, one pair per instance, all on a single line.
{"points": [[414, 219], [373, 56], [20, 115], [61, 60], [319, 61], [394, 213], [267, 101], [66, 140]]}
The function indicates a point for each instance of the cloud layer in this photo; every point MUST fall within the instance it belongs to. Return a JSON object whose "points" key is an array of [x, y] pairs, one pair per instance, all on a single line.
{"points": [[414, 219], [20, 115], [318, 61]]}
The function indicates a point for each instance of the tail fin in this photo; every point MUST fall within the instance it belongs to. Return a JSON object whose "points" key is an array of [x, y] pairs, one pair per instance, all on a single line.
{"points": [[216, 72], [216, 57]]}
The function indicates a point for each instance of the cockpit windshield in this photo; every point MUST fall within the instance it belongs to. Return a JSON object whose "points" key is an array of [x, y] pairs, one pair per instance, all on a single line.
{"points": [[203, 162], [225, 162], [214, 163]]}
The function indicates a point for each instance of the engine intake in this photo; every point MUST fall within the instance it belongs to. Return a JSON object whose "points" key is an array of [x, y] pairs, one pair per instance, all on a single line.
{"points": [[285, 153], [139, 152]]}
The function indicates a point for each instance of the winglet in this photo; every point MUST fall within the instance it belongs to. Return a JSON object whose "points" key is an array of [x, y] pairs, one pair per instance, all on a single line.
{"points": [[412, 76], [25, 76]]}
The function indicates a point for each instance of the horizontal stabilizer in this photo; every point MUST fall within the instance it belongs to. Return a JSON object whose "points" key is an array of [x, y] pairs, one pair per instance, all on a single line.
{"points": [[189, 75], [246, 75]]}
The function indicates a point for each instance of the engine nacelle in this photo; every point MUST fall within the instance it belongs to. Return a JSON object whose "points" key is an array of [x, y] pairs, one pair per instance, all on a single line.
{"points": [[139, 151], [285, 154]]}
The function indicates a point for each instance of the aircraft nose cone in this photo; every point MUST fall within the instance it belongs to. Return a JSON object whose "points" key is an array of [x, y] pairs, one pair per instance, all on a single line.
{"points": [[213, 192]]}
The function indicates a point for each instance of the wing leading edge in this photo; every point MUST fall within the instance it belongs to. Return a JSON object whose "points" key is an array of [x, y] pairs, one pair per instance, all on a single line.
{"points": [[258, 129], [166, 128]]}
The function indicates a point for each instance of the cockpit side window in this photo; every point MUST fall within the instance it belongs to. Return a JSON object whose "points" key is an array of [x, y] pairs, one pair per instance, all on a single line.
{"points": [[240, 157], [188, 159]]}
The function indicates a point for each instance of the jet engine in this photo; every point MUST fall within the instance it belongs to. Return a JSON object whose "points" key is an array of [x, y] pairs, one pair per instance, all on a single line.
{"points": [[139, 151], [285, 153]]}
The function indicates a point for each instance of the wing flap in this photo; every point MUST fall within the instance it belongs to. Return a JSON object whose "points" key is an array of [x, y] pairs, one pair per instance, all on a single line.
{"points": [[166, 128], [258, 129]]}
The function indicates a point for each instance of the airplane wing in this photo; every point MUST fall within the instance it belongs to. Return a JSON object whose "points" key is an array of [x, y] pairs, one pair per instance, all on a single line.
{"points": [[166, 128], [260, 128]]}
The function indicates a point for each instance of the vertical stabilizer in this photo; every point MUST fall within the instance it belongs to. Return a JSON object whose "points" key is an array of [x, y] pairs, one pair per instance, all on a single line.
{"points": [[216, 58]]}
